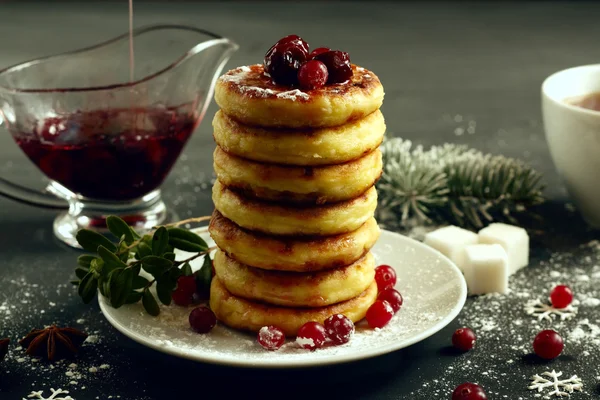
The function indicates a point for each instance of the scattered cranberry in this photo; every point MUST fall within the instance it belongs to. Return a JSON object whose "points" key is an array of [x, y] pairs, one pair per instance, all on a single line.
{"points": [[468, 391], [393, 297], [284, 58], [339, 328], [385, 276], [312, 75], [379, 314], [464, 339], [202, 319], [548, 344], [271, 337], [561, 296], [317, 51], [311, 336], [183, 295], [338, 65]]}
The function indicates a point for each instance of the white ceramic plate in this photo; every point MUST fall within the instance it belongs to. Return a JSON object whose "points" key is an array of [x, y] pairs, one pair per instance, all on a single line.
{"points": [[433, 288]]}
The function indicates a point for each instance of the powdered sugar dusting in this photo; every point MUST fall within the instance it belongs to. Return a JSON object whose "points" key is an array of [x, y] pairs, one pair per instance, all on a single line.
{"points": [[240, 75]]}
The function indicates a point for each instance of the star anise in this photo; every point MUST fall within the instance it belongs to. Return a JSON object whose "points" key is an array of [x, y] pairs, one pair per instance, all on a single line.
{"points": [[53, 343], [3, 348]]}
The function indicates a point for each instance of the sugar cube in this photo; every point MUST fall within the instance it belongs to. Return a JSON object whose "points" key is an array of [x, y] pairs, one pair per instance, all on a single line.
{"points": [[513, 239], [486, 269], [451, 241]]}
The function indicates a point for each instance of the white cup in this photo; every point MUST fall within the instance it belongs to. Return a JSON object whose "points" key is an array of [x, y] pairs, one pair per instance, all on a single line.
{"points": [[573, 135]]}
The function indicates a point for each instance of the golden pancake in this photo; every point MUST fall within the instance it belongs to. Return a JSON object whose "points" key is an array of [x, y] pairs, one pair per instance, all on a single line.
{"points": [[295, 289], [272, 218], [240, 313], [249, 96], [306, 147], [303, 185], [297, 254]]}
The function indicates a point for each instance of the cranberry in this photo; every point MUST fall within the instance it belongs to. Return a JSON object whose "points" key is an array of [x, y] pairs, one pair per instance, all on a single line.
{"points": [[379, 314], [464, 339], [385, 276], [311, 336], [283, 60], [548, 344], [561, 296], [183, 295], [202, 319], [270, 337], [339, 328], [317, 51], [338, 65], [312, 75], [393, 297], [468, 391]]}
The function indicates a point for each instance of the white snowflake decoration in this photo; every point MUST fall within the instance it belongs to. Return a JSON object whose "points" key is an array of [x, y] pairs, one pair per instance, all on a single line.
{"points": [[561, 387], [39, 395], [545, 311]]}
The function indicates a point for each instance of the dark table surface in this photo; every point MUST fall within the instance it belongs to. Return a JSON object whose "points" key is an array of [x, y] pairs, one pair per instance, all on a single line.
{"points": [[445, 67]]}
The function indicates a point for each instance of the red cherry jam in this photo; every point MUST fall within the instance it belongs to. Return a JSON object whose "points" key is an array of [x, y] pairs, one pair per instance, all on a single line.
{"points": [[284, 58]]}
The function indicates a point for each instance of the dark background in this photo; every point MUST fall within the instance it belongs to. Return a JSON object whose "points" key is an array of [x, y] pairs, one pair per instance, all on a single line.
{"points": [[442, 64]]}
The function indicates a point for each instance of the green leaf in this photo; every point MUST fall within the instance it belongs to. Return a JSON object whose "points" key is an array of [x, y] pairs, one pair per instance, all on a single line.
{"points": [[121, 281], [135, 235], [90, 241], [160, 240], [111, 260], [105, 288], [97, 267], [143, 250], [81, 272], [133, 297], [139, 282], [150, 304], [186, 245], [119, 228], [204, 277], [85, 260], [87, 288], [169, 256], [74, 282], [155, 266], [187, 269], [123, 252], [188, 236], [163, 291]]}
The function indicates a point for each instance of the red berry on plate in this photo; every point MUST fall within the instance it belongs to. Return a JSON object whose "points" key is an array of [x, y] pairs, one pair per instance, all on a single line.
{"points": [[548, 344], [385, 276], [311, 336], [561, 296], [312, 75], [284, 58], [338, 65], [379, 314], [468, 391], [202, 319], [339, 328], [270, 337], [393, 297], [186, 284], [317, 51], [464, 339]]}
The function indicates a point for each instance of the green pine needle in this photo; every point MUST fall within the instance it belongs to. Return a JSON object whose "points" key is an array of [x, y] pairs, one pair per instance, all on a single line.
{"points": [[453, 182]]}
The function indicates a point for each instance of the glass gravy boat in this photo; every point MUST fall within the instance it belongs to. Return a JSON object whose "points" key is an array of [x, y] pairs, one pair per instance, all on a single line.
{"points": [[105, 136]]}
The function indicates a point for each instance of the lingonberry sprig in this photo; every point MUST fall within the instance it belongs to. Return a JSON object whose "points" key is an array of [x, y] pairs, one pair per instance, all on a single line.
{"points": [[114, 268]]}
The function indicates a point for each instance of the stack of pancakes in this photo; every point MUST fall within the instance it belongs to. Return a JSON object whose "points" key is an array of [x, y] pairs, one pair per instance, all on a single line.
{"points": [[294, 200]]}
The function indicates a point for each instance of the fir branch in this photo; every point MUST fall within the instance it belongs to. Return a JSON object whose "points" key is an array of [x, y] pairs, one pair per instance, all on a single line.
{"points": [[455, 183]]}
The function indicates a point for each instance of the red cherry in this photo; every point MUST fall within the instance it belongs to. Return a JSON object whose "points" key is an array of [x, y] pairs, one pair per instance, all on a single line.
{"points": [[468, 391], [561, 296], [317, 51], [202, 319], [464, 339], [284, 58], [338, 65], [393, 297], [379, 314], [295, 40], [548, 344], [312, 75], [270, 337], [339, 328], [311, 336], [385, 276]]}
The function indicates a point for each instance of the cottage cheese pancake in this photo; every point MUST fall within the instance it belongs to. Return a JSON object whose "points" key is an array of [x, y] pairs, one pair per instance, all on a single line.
{"points": [[287, 184], [272, 218], [298, 254], [295, 289], [249, 96], [322, 146], [240, 313]]}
